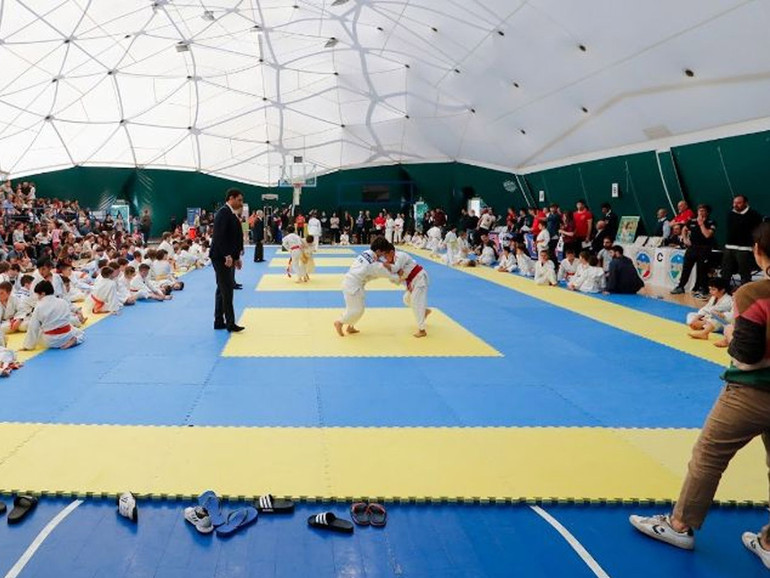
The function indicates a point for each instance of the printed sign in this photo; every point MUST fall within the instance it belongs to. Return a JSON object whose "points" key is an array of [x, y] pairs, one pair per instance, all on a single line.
{"points": [[643, 262]]}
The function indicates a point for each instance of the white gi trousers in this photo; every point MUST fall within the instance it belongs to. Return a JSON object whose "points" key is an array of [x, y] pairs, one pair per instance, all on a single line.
{"points": [[416, 297]]}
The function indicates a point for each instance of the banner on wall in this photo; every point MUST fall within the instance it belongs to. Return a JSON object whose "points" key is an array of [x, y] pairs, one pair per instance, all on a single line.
{"points": [[420, 208], [122, 209], [529, 241], [627, 230], [192, 213], [643, 263]]}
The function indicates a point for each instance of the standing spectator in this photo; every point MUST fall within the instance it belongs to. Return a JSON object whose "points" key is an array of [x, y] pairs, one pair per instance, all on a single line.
{"points": [[146, 225], [258, 233], [567, 232], [662, 225], [737, 256], [472, 224], [315, 229], [368, 226], [740, 414], [584, 221], [611, 221], [334, 227], [486, 221], [299, 224], [699, 238], [225, 254]]}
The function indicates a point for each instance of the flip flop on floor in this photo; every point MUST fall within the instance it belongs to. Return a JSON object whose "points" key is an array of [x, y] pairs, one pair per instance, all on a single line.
{"points": [[267, 504], [210, 502], [360, 513], [236, 520], [3, 508], [22, 505], [328, 521], [378, 516]]}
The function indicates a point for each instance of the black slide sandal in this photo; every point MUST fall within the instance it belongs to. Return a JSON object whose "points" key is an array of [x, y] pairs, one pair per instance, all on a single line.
{"points": [[267, 504], [328, 521], [22, 505]]}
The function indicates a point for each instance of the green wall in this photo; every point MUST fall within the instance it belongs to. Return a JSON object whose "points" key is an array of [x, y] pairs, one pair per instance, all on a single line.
{"points": [[710, 172]]}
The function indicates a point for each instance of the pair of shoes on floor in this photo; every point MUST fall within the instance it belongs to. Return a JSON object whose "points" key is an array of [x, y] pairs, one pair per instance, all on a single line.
{"points": [[238, 286], [23, 505], [365, 514], [700, 295], [659, 527], [127, 506], [677, 291], [330, 522], [207, 516]]}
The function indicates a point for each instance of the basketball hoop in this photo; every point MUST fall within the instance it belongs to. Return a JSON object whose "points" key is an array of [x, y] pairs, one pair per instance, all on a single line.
{"points": [[297, 196]]}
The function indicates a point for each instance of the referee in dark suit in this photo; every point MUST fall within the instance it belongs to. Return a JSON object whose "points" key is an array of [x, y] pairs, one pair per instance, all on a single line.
{"points": [[225, 253]]}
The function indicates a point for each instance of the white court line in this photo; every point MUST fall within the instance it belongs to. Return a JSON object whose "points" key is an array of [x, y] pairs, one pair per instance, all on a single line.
{"points": [[40, 538], [572, 541]]}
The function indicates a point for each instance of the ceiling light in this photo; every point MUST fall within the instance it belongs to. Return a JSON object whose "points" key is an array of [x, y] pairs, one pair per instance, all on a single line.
{"points": [[331, 43], [339, 2], [689, 73], [182, 47], [208, 15]]}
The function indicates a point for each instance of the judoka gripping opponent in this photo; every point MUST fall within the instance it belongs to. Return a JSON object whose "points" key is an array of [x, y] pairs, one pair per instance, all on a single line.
{"points": [[404, 269]]}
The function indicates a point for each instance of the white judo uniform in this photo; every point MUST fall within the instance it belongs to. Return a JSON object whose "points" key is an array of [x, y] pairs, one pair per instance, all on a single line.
{"points": [[567, 269], [293, 244], [365, 268], [314, 228], [406, 269], [434, 240], [142, 287], [588, 280], [105, 296], [507, 262], [525, 264], [723, 305], [14, 309], [452, 248], [545, 273], [390, 227], [487, 256], [51, 325], [398, 229]]}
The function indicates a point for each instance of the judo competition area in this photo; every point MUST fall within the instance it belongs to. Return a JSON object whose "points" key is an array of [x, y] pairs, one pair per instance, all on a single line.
{"points": [[514, 440]]}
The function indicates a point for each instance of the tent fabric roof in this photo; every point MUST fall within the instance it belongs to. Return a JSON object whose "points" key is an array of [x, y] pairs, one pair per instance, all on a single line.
{"points": [[236, 88]]}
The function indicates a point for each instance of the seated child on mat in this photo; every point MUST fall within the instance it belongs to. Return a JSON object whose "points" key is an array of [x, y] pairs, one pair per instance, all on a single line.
{"points": [[715, 314]]}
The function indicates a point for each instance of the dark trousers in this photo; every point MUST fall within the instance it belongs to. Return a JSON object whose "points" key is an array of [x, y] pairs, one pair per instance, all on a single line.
{"points": [[223, 301], [696, 256], [735, 261], [259, 251]]}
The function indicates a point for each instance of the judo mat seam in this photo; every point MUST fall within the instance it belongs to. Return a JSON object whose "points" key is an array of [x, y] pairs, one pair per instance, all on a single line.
{"points": [[647, 326]]}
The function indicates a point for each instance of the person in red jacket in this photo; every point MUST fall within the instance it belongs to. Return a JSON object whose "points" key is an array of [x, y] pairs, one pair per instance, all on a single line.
{"points": [[584, 221]]}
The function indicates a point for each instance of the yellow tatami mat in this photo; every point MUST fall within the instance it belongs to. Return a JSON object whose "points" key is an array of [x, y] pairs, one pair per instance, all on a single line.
{"points": [[396, 463], [651, 327], [283, 262], [319, 282], [385, 332]]}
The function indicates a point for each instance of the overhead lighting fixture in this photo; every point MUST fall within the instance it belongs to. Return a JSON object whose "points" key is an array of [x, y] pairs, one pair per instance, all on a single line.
{"points": [[182, 47], [339, 2], [208, 15], [331, 43]]}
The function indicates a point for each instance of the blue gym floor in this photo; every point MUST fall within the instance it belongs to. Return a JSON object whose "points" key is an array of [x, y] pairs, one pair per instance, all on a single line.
{"points": [[160, 364]]}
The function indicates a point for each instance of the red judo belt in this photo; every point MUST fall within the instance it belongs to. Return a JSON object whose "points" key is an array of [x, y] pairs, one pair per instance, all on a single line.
{"points": [[412, 274], [59, 330]]}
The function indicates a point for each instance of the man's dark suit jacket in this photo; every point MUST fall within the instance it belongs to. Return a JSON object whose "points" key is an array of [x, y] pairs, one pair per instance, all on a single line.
{"points": [[623, 277], [228, 236]]}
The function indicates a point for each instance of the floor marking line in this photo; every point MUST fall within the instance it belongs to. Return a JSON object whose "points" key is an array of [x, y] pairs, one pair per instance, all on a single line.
{"points": [[40, 538], [572, 541]]}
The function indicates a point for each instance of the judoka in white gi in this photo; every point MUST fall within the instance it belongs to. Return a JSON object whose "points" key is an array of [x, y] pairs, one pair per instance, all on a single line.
{"points": [[293, 244], [404, 269], [545, 270], [105, 292], [390, 227], [51, 322], [367, 266], [314, 228], [398, 229], [434, 240], [507, 263], [452, 247]]}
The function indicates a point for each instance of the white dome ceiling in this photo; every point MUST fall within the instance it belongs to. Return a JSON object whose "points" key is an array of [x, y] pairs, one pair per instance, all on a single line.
{"points": [[236, 88]]}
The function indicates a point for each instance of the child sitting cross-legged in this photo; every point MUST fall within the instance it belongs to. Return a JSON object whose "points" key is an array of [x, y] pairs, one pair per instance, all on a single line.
{"points": [[524, 261], [143, 287], [545, 271], [715, 314], [590, 277], [507, 262]]}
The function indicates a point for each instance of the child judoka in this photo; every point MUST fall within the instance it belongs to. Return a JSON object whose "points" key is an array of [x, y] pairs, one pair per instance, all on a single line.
{"points": [[714, 315], [308, 261], [293, 244], [545, 271], [367, 266], [404, 269], [51, 322], [452, 247]]}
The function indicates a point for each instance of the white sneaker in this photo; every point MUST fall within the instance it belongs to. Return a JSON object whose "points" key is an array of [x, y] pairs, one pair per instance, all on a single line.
{"points": [[127, 506], [659, 527], [751, 541], [199, 518]]}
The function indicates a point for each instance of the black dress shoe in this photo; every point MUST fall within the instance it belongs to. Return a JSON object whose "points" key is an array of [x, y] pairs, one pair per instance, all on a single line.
{"points": [[235, 328], [238, 286], [220, 326]]}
